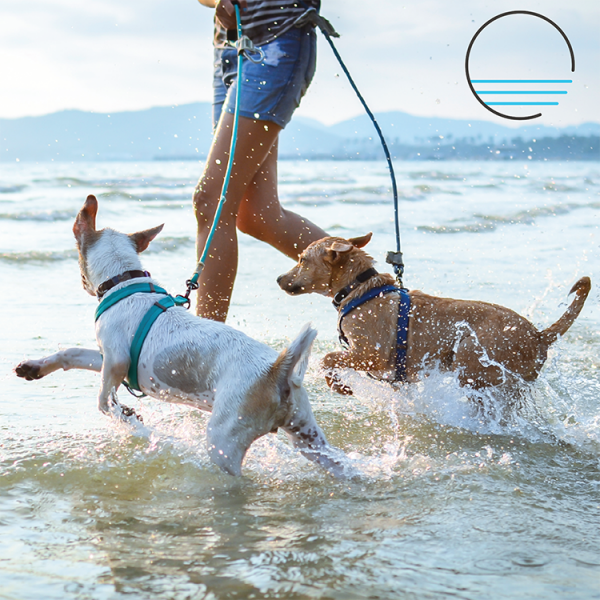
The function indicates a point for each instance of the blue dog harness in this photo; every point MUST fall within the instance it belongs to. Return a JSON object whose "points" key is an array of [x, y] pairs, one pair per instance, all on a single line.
{"points": [[157, 309], [402, 327]]}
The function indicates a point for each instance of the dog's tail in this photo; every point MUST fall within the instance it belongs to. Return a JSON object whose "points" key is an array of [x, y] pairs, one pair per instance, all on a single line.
{"points": [[581, 289]]}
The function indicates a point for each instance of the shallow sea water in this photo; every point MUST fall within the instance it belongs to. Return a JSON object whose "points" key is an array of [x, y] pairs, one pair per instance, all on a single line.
{"points": [[452, 502]]}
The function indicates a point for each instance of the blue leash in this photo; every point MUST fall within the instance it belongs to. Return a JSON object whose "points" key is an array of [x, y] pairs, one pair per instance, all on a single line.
{"points": [[231, 152], [393, 258], [245, 47]]}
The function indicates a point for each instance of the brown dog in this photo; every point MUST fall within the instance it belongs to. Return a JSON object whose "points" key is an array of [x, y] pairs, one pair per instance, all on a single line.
{"points": [[488, 345]]}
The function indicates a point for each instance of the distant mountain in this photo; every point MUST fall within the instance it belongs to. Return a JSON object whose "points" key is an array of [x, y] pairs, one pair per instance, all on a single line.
{"points": [[185, 132], [139, 135], [409, 129]]}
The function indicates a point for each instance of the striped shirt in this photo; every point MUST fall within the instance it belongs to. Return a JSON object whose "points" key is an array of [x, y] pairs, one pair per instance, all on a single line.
{"points": [[264, 20]]}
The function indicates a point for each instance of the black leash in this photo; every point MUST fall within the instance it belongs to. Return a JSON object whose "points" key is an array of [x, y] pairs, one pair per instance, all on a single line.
{"points": [[311, 15]]}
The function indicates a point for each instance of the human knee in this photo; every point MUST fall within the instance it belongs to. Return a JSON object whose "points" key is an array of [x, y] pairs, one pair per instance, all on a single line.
{"points": [[260, 225], [250, 224], [200, 201], [205, 201]]}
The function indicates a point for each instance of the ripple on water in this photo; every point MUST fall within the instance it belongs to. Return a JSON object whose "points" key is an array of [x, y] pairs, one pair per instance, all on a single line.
{"points": [[42, 215], [38, 256]]}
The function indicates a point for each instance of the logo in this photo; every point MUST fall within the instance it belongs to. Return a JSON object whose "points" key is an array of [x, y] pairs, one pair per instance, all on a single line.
{"points": [[518, 92]]}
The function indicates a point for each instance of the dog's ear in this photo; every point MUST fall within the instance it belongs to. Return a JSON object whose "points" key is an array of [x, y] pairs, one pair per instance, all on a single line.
{"points": [[361, 241], [336, 250], [291, 365], [85, 222], [141, 240], [341, 246]]}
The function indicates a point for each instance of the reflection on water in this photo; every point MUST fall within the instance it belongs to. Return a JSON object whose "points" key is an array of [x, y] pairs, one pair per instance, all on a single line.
{"points": [[455, 499]]}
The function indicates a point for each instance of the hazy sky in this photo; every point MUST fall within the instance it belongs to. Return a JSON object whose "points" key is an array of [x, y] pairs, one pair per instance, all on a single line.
{"points": [[113, 55]]}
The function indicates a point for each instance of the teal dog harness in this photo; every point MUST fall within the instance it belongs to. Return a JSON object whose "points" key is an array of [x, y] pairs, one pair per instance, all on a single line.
{"points": [[157, 309]]}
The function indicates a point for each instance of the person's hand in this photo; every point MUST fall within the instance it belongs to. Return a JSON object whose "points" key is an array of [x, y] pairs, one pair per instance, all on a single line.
{"points": [[225, 12]]}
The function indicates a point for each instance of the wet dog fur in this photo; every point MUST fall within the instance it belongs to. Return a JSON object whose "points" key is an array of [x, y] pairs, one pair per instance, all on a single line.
{"points": [[248, 387], [486, 344]]}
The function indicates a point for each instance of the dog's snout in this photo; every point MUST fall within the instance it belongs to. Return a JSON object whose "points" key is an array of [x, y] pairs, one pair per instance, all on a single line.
{"points": [[289, 286], [286, 283]]}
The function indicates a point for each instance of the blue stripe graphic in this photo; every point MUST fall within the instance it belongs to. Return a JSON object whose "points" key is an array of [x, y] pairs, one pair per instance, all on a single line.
{"points": [[515, 92], [522, 103], [521, 81]]}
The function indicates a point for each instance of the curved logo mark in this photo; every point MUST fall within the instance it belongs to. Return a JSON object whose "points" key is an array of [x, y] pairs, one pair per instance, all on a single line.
{"points": [[517, 83]]}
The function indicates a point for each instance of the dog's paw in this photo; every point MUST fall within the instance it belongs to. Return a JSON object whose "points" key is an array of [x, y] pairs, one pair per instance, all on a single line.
{"points": [[119, 411], [336, 385], [127, 413], [342, 388], [29, 370]]}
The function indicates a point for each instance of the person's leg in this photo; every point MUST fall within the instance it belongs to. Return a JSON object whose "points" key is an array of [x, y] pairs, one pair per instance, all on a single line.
{"points": [[273, 88], [253, 144], [262, 216], [285, 75]]}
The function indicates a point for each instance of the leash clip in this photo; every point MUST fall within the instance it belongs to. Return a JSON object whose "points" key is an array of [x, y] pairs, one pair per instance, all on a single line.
{"points": [[395, 259], [246, 47], [192, 284], [185, 299]]}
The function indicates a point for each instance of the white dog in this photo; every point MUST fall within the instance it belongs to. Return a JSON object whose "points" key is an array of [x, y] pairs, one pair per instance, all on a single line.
{"points": [[248, 387]]}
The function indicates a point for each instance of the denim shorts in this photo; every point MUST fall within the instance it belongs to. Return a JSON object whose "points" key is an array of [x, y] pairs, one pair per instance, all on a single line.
{"points": [[271, 89]]}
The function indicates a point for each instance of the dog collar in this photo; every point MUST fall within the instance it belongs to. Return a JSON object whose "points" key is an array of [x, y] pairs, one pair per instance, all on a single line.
{"points": [[364, 276], [126, 276]]}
